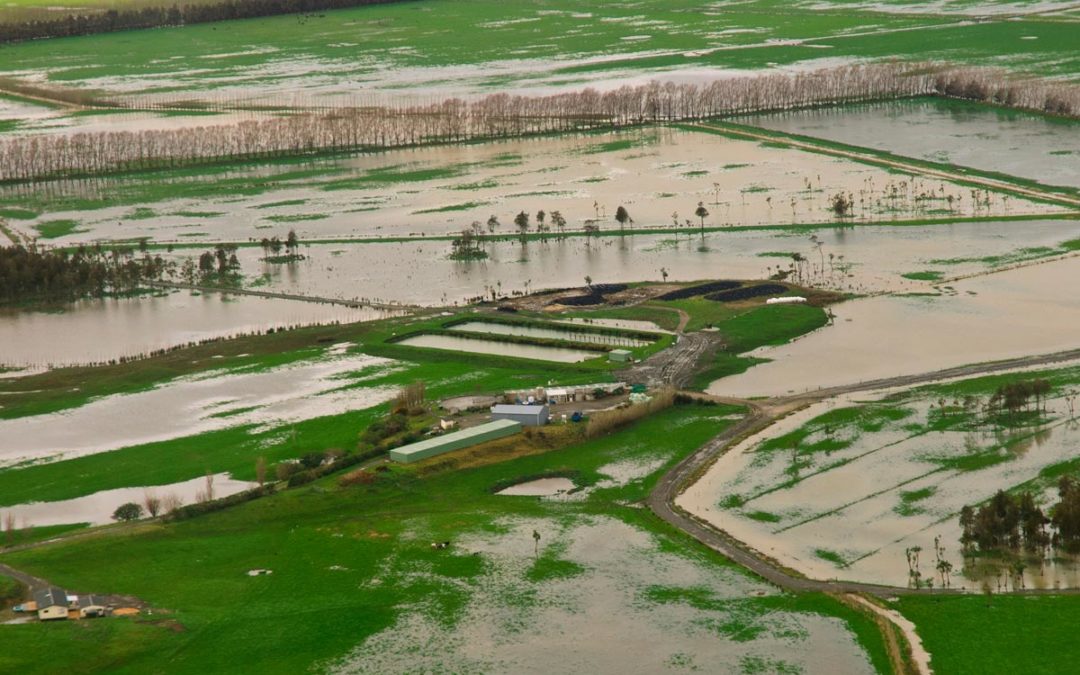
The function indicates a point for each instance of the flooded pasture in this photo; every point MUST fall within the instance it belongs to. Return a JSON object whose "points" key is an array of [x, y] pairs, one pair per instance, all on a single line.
{"points": [[659, 175], [521, 351], [622, 610], [1037, 147], [856, 259], [1009, 314], [240, 396], [96, 331], [98, 508], [855, 496]]}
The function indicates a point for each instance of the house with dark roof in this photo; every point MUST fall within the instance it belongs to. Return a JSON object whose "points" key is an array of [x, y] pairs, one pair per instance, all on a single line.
{"points": [[52, 603]]}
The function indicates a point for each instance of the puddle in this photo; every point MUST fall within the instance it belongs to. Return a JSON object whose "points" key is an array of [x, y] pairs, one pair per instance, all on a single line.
{"points": [[542, 487]]}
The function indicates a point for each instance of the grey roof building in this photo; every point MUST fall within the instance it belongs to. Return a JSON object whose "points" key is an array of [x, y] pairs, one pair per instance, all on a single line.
{"points": [[52, 603], [528, 415]]}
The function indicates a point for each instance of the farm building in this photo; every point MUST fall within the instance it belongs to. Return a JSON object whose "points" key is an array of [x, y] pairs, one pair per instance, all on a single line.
{"points": [[619, 355], [528, 415], [92, 606], [52, 603], [465, 438], [556, 394]]}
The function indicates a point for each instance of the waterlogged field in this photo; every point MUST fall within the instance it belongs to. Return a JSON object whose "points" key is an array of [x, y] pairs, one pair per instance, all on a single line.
{"points": [[408, 47], [604, 585], [885, 258], [97, 331], [1004, 315], [659, 175], [842, 488], [1035, 147]]}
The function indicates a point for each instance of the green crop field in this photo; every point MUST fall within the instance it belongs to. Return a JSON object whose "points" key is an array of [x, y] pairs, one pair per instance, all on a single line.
{"points": [[354, 564], [997, 634], [525, 44]]}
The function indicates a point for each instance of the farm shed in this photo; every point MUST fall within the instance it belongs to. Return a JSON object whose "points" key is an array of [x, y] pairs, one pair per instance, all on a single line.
{"points": [[465, 438], [52, 603], [619, 355], [529, 415], [92, 606]]}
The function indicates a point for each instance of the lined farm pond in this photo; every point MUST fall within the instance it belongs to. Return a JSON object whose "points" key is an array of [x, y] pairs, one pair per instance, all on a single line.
{"points": [[522, 351]]}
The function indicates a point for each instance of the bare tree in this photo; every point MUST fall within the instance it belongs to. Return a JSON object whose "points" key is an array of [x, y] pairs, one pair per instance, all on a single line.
{"points": [[152, 503]]}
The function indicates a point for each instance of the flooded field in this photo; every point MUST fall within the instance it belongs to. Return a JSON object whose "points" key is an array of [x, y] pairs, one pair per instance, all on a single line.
{"points": [[98, 508], [623, 608], [520, 351], [857, 259], [95, 331], [1037, 147], [492, 328], [659, 175], [243, 396], [1000, 316], [867, 481]]}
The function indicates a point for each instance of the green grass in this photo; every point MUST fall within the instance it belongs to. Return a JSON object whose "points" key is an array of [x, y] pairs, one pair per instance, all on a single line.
{"points": [[359, 45], [923, 276], [53, 229], [761, 326], [38, 533], [1001, 634], [10, 590], [196, 568]]}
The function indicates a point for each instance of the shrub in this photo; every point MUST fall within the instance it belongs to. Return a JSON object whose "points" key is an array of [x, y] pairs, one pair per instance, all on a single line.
{"points": [[127, 512]]}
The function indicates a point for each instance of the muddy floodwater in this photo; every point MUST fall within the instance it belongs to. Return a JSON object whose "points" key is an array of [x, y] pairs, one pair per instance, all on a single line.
{"points": [[855, 259], [1015, 313], [93, 331], [1041, 148], [97, 508], [851, 512], [621, 611], [541, 487], [522, 351], [259, 398], [658, 175]]}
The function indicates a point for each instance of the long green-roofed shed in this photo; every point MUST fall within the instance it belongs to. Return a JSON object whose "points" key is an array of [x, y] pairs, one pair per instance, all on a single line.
{"points": [[465, 438]]}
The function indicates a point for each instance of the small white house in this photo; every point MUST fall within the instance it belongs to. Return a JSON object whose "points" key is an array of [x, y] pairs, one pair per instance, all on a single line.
{"points": [[52, 604]]}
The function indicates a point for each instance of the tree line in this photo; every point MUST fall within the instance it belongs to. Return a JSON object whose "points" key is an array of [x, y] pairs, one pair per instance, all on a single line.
{"points": [[87, 20], [491, 117], [502, 116], [1015, 522], [31, 274]]}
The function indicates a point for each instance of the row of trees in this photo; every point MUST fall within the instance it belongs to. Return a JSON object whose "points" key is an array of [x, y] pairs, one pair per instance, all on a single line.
{"points": [[30, 273], [49, 23], [495, 116], [995, 86]]}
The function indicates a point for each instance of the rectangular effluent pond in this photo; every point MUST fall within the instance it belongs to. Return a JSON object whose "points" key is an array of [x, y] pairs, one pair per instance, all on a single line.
{"points": [[553, 333], [521, 351]]}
